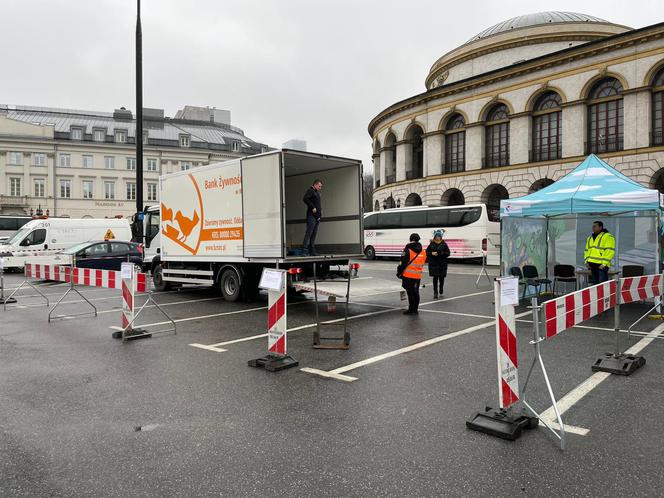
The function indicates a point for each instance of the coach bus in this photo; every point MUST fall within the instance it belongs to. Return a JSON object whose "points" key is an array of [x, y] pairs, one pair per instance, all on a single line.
{"points": [[9, 224], [467, 230]]}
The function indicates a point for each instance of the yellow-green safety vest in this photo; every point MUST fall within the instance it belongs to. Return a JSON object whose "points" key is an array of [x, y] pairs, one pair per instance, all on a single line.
{"points": [[601, 249]]}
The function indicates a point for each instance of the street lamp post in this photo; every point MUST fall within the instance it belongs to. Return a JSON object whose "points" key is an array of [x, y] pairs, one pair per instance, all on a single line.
{"points": [[139, 110]]}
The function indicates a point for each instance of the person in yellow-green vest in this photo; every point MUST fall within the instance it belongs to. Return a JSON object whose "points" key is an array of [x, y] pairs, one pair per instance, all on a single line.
{"points": [[600, 249]]}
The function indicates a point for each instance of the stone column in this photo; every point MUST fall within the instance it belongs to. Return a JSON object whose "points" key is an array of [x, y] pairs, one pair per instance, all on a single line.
{"points": [[3, 173], [376, 170], [385, 156], [433, 154], [574, 129], [474, 147], [519, 139], [637, 119], [404, 159]]}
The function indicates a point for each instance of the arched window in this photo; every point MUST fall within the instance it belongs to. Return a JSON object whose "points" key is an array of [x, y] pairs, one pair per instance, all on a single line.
{"points": [[413, 200], [389, 203], [658, 108], [605, 117], [497, 137], [452, 197], [414, 136], [547, 126], [540, 184], [376, 164], [492, 196], [391, 159], [455, 144]]}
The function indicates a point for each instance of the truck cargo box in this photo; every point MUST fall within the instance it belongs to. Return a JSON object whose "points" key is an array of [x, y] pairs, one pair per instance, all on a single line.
{"points": [[251, 209]]}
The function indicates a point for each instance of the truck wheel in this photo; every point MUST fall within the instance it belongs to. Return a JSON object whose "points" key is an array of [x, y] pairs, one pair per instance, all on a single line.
{"points": [[370, 252], [230, 285], [158, 280]]}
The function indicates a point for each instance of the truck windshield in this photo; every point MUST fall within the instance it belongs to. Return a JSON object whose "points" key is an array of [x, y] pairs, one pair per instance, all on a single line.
{"points": [[18, 236]]}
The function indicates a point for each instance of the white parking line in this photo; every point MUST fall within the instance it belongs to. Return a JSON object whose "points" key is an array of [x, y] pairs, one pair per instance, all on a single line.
{"points": [[388, 309], [418, 345], [580, 391]]}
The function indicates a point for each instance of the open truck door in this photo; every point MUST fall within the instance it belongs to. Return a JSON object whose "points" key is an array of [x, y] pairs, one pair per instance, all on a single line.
{"points": [[262, 206]]}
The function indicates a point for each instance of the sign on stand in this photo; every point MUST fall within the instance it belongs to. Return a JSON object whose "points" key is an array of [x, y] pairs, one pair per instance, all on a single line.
{"points": [[502, 422], [274, 281]]}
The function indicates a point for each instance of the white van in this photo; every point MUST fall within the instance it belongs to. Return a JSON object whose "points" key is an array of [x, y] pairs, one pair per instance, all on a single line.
{"points": [[49, 236]]}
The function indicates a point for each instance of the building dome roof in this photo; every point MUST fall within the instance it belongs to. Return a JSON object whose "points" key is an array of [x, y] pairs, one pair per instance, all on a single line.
{"points": [[535, 19], [518, 39]]}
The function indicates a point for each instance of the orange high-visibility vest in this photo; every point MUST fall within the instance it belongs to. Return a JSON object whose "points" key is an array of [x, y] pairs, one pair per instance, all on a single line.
{"points": [[414, 269]]}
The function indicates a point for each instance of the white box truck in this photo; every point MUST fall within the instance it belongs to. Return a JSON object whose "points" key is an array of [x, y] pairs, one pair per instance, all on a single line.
{"points": [[44, 236], [220, 224]]}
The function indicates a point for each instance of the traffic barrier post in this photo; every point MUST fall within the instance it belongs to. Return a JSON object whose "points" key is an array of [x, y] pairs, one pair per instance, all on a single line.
{"points": [[134, 282], [630, 289], [508, 420], [2, 285], [27, 272], [277, 358], [71, 276]]}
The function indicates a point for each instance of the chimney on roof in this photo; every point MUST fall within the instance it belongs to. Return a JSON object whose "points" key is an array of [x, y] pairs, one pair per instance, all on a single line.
{"points": [[122, 113]]}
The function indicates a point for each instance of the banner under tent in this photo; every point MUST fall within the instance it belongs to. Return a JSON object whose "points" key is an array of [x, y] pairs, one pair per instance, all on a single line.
{"points": [[550, 227]]}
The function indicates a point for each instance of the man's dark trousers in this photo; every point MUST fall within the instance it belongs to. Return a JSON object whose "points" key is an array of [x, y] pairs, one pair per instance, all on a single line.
{"points": [[598, 276], [310, 234], [412, 286]]}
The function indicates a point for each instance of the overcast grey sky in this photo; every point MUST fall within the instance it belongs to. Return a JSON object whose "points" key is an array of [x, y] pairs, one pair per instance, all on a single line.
{"points": [[317, 69]]}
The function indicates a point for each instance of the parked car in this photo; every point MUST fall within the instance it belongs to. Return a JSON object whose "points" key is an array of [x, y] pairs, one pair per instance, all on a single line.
{"points": [[105, 255]]}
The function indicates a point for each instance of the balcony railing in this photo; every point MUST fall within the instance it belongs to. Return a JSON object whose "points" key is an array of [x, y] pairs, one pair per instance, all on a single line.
{"points": [[454, 167], [496, 160], [13, 200], [609, 144], [656, 138], [545, 153]]}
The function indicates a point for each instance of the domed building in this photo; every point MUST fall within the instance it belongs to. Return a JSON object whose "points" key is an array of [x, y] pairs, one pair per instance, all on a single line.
{"points": [[521, 104]]}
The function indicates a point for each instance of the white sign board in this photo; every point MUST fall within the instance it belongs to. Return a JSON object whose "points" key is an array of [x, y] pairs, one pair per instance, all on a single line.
{"points": [[509, 291], [127, 271], [271, 279]]}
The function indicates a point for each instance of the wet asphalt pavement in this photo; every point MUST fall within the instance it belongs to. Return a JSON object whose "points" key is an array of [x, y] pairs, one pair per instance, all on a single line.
{"points": [[82, 414]]}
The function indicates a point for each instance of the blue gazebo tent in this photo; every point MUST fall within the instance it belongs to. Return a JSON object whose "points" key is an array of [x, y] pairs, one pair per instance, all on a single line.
{"points": [[550, 226]]}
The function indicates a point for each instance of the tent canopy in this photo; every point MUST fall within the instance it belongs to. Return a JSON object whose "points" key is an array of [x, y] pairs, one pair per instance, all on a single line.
{"points": [[592, 187]]}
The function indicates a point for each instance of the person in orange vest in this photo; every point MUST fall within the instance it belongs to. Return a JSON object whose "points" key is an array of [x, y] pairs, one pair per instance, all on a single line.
{"points": [[413, 259]]}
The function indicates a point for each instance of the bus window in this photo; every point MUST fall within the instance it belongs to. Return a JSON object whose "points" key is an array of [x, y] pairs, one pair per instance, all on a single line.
{"points": [[389, 220], [371, 221], [413, 219], [463, 217], [437, 218]]}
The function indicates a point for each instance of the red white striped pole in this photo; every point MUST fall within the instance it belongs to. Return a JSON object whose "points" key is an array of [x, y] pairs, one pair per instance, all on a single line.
{"points": [[508, 366], [275, 281], [128, 290], [276, 320]]}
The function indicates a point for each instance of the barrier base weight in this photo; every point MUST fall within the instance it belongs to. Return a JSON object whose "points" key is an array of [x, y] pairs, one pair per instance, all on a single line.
{"points": [[622, 364], [131, 335], [7, 300], [273, 363], [501, 424]]}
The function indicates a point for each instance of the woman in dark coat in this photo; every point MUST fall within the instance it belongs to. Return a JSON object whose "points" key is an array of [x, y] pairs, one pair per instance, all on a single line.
{"points": [[437, 254]]}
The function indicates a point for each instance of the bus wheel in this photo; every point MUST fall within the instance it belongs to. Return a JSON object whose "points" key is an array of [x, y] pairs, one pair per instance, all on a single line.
{"points": [[158, 280], [370, 252], [230, 285]]}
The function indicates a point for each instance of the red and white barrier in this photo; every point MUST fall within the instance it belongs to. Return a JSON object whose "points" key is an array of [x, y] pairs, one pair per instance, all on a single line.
{"points": [[640, 288], [108, 279], [276, 322], [567, 311], [508, 365]]}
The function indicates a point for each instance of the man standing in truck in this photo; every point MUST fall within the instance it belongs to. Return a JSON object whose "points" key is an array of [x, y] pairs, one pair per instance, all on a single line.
{"points": [[312, 200]]}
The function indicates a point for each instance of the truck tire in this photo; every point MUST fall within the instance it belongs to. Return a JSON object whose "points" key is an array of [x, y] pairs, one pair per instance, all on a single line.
{"points": [[230, 285], [370, 252], [158, 279]]}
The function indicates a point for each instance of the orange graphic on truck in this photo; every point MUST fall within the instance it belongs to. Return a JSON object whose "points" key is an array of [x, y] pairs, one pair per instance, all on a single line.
{"points": [[185, 227]]}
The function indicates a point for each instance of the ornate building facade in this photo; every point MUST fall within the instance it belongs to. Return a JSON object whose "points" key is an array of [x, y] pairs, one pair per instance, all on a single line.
{"points": [[82, 164], [520, 105]]}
